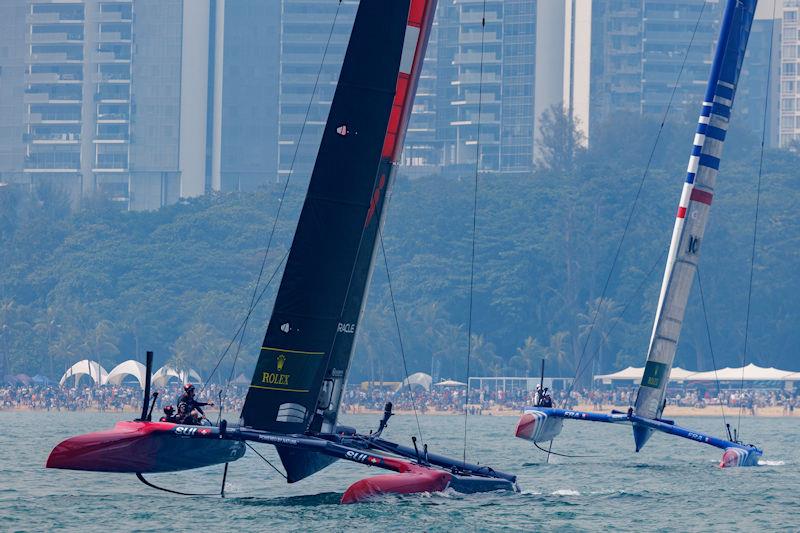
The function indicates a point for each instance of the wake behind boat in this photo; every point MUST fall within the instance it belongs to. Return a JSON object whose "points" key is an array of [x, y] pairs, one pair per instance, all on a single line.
{"points": [[542, 424], [295, 393]]}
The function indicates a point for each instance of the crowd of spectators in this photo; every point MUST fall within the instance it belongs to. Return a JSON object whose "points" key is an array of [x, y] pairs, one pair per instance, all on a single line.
{"points": [[453, 399], [439, 399], [105, 398]]}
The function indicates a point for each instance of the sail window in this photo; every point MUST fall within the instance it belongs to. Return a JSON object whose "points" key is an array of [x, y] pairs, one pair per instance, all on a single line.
{"points": [[409, 48], [291, 412]]}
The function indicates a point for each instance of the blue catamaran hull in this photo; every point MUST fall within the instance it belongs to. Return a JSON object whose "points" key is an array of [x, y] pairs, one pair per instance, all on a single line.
{"points": [[543, 424]]}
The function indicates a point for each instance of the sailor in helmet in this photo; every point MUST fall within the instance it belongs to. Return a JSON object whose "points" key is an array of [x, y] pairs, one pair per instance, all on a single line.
{"points": [[190, 411], [169, 414]]}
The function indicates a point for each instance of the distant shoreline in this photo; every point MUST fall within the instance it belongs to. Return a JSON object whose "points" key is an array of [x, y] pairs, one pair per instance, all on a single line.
{"points": [[671, 411]]}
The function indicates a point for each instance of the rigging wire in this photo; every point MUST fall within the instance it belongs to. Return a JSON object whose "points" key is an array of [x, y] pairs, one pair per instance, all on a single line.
{"points": [[711, 347], [399, 334], [474, 230], [638, 192], [551, 452], [288, 179], [755, 221], [261, 295], [266, 460], [253, 301], [621, 314]]}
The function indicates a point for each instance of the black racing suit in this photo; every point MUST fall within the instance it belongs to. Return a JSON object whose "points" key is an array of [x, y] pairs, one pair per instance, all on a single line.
{"points": [[186, 405]]}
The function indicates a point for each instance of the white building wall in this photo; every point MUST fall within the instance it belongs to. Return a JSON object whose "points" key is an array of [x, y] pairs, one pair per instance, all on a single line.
{"points": [[194, 96]]}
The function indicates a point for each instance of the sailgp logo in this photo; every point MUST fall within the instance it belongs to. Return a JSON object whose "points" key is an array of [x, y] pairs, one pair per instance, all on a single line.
{"points": [[285, 327]]}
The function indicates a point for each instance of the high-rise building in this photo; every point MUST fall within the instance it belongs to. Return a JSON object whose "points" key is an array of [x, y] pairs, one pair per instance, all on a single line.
{"points": [[140, 101], [13, 51], [313, 39], [465, 92], [647, 53], [789, 130], [759, 88], [243, 139]]}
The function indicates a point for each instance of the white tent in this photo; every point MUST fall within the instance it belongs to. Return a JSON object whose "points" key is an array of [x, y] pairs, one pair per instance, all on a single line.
{"points": [[634, 373], [750, 372], [450, 383], [85, 367], [127, 368], [681, 374], [419, 378], [164, 374]]}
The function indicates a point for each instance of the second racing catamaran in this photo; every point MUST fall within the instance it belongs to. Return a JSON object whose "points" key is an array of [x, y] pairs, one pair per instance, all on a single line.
{"points": [[543, 424]]}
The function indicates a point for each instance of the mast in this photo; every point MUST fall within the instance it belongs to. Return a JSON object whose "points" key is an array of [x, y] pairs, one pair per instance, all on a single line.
{"points": [[302, 369], [693, 211]]}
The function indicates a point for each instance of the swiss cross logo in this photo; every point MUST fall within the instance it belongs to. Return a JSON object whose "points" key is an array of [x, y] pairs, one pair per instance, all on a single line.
{"points": [[204, 431], [373, 460]]}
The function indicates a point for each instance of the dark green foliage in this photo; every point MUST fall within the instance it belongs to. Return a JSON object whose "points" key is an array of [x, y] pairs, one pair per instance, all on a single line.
{"points": [[109, 285]]}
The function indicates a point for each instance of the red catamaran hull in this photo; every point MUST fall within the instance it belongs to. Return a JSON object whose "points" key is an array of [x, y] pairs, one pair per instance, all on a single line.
{"points": [[145, 447]]}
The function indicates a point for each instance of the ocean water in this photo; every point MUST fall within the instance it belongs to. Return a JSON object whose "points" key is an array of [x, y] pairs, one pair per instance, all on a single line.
{"points": [[673, 485]]}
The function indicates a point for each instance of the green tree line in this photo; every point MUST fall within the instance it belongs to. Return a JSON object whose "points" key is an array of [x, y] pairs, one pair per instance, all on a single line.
{"points": [[108, 285]]}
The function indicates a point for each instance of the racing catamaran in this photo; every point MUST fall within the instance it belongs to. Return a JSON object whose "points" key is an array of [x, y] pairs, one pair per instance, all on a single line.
{"points": [[543, 424], [294, 397]]}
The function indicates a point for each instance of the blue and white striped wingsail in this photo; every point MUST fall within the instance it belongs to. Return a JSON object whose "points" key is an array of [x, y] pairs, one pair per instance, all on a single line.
{"points": [[693, 211]]}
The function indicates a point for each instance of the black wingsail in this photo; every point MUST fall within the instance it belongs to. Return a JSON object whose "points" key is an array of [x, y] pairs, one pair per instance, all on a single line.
{"points": [[301, 371]]}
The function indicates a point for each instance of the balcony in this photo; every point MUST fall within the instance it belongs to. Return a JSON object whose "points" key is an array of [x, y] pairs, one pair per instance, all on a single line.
{"points": [[54, 57], [54, 118], [111, 138], [56, 138], [112, 118], [475, 79], [467, 18], [113, 37], [52, 77], [112, 16], [105, 77], [53, 37], [111, 57], [476, 36], [475, 58], [54, 18]]}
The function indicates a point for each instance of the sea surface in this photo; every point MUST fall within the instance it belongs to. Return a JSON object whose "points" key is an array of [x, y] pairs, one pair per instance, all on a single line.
{"points": [[673, 485]]}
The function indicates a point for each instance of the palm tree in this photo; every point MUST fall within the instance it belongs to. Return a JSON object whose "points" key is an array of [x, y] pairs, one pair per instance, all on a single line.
{"points": [[596, 324], [556, 350], [527, 355]]}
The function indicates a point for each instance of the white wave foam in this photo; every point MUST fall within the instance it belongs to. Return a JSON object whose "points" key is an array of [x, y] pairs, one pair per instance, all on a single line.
{"points": [[764, 462], [566, 492]]}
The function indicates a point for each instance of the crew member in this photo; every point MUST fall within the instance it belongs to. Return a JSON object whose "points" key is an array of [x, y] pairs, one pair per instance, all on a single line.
{"points": [[190, 411], [169, 415], [547, 400]]}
